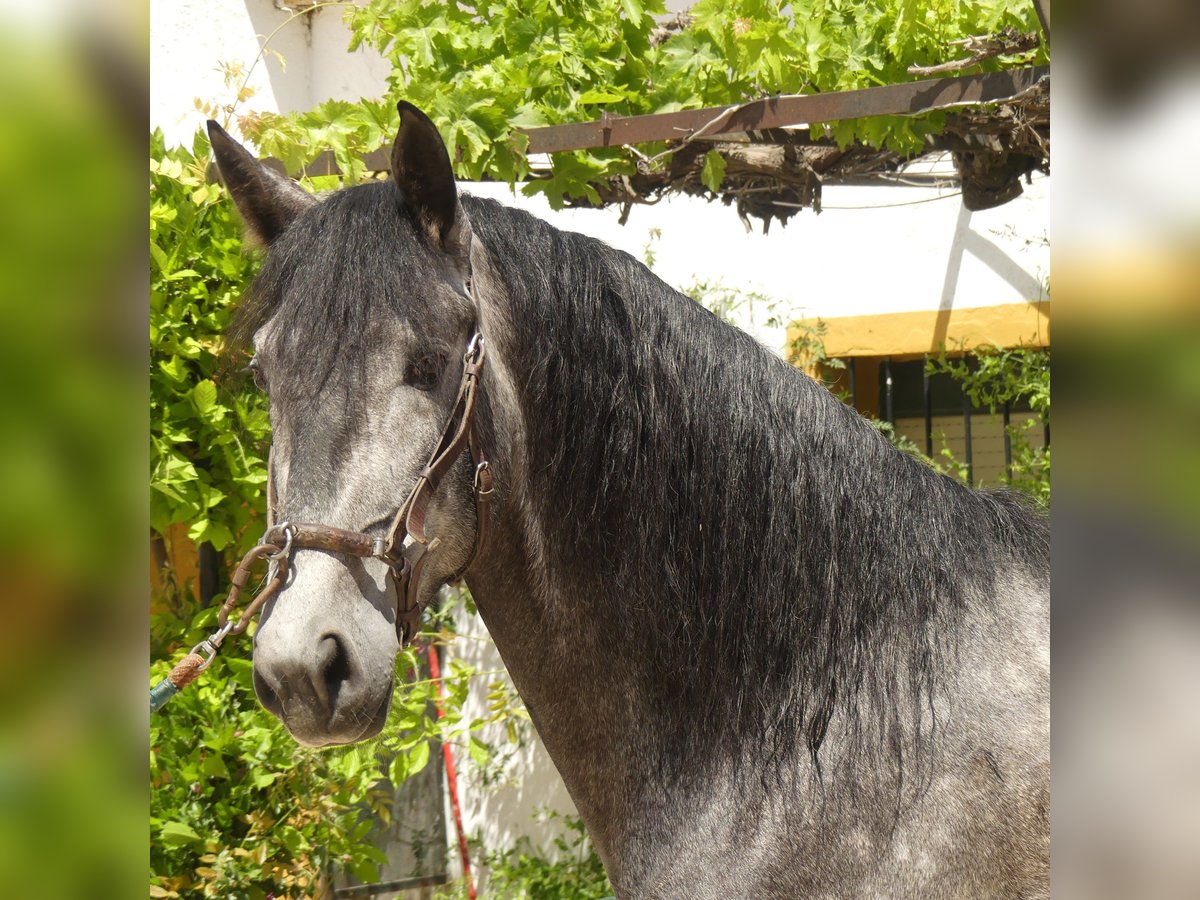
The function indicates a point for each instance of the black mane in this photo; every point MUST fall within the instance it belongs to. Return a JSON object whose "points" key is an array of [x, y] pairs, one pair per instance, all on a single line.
{"points": [[745, 524]]}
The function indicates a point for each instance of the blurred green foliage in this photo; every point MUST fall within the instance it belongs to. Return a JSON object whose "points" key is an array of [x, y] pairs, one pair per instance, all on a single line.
{"points": [[72, 412], [481, 70], [66, 297], [1133, 417]]}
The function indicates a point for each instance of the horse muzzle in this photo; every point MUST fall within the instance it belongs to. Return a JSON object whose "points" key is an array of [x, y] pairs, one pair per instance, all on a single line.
{"points": [[321, 694], [325, 649]]}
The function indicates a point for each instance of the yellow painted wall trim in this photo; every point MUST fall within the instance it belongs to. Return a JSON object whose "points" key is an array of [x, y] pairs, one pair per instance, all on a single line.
{"points": [[899, 334]]}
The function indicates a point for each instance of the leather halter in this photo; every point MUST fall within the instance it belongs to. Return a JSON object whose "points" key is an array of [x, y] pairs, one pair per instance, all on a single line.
{"points": [[408, 526]]}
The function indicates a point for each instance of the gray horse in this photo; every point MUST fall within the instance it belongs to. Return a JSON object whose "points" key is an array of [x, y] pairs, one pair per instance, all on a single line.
{"points": [[770, 655]]}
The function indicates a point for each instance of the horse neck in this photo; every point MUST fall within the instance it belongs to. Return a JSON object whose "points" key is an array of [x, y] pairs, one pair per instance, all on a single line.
{"points": [[675, 577], [583, 685], [562, 621]]}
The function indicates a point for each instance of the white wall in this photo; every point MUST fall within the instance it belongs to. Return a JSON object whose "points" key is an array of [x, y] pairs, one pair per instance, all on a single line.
{"points": [[189, 39]]}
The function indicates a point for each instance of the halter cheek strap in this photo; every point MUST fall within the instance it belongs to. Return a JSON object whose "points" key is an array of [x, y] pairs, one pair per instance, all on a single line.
{"points": [[458, 435]]}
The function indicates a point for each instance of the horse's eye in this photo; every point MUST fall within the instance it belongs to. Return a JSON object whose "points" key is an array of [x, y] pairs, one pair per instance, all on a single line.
{"points": [[424, 372], [260, 380]]}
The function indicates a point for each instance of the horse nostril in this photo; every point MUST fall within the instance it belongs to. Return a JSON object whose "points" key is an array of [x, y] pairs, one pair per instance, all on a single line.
{"points": [[333, 669], [307, 690], [266, 694]]}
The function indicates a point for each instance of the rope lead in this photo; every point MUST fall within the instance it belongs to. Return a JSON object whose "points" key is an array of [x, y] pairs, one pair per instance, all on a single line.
{"points": [[181, 676]]}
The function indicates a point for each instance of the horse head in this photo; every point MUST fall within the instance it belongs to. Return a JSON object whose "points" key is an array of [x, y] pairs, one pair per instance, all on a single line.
{"points": [[359, 320]]}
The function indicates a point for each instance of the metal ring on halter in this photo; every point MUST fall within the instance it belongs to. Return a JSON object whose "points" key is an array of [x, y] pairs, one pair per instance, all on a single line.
{"points": [[288, 534]]}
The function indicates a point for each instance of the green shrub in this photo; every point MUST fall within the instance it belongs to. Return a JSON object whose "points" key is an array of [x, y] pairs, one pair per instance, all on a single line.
{"points": [[571, 871], [994, 376], [574, 872], [208, 434], [237, 808]]}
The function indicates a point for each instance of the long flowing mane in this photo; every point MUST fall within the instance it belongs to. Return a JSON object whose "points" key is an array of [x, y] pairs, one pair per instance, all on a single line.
{"points": [[744, 525]]}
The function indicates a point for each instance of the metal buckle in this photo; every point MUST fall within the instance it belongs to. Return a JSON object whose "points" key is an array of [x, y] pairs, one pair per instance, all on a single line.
{"points": [[473, 348], [479, 470], [382, 549]]}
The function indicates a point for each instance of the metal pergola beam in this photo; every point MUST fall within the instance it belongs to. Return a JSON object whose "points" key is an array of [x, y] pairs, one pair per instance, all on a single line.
{"points": [[773, 112], [788, 110]]}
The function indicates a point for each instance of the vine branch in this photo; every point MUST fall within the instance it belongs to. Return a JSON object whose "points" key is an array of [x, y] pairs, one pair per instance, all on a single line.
{"points": [[982, 47]]}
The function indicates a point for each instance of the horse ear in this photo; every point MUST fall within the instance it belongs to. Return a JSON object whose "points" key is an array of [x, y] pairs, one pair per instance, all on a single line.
{"points": [[267, 200], [421, 169]]}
